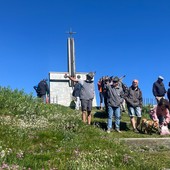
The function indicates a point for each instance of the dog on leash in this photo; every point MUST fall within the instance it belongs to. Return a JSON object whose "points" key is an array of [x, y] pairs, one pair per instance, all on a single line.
{"points": [[147, 126]]}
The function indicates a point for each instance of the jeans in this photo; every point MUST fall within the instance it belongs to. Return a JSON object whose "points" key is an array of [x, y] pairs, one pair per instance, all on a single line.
{"points": [[113, 111], [161, 119]]}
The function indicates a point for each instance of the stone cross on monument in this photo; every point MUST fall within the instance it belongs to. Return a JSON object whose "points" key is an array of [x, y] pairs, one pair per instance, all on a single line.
{"points": [[61, 88]]}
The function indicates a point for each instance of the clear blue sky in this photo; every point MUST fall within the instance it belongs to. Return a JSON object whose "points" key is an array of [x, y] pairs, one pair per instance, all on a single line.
{"points": [[114, 37]]}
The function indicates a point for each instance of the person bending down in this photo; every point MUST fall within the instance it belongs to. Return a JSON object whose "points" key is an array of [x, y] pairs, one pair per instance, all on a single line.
{"points": [[161, 113]]}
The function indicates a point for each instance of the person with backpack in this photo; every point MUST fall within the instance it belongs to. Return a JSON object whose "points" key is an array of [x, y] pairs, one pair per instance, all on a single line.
{"points": [[42, 90], [36, 89], [86, 95], [76, 95]]}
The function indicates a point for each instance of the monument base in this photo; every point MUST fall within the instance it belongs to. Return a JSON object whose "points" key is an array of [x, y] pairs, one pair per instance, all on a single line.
{"points": [[61, 89]]}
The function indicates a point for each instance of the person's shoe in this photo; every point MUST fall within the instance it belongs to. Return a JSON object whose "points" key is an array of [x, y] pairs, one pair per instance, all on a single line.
{"points": [[138, 129], [117, 130], [108, 130], [135, 130]]}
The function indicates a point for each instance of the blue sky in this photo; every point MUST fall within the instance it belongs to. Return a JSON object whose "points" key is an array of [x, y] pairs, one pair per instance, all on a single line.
{"points": [[113, 37]]}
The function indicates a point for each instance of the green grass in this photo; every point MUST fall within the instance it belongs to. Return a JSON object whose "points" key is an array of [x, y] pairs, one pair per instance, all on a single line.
{"points": [[37, 136]]}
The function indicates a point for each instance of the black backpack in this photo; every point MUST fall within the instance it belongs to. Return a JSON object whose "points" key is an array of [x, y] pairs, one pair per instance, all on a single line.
{"points": [[76, 91]]}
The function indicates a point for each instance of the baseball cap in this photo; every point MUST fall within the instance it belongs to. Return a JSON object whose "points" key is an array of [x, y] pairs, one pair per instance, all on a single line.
{"points": [[160, 77], [90, 74], [115, 79]]}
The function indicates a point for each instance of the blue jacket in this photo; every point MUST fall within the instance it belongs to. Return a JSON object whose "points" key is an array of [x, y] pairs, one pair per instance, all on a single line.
{"points": [[158, 89]]}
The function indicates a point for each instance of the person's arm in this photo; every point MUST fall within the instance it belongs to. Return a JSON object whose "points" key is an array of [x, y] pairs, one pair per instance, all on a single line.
{"points": [[153, 114], [168, 94], [154, 90], [71, 78], [167, 117], [140, 99], [35, 88], [165, 90]]}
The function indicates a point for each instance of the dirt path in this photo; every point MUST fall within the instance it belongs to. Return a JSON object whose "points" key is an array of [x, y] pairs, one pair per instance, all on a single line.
{"points": [[147, 144]]}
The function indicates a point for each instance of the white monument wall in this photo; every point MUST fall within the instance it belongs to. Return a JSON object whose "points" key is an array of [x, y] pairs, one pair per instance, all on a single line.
{"points": [[60, 89]]}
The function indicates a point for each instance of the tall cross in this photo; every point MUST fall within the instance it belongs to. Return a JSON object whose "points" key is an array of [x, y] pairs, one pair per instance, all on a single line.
{"points": [[71, 32]]}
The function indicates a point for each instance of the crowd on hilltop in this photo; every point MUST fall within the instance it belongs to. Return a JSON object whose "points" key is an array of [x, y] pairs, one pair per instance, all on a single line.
{"points": [[116, 95], [115, 98]]}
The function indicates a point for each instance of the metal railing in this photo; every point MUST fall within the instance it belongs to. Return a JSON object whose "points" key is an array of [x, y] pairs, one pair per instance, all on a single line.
{"points": [[149, 101]]}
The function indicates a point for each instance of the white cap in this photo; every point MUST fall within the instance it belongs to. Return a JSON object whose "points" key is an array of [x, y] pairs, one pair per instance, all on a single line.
{"points": [[160, 77]]}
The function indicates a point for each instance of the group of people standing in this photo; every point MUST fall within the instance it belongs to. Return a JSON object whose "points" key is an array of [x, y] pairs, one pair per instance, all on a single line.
{"points": [[161, 112], [115, 95]]}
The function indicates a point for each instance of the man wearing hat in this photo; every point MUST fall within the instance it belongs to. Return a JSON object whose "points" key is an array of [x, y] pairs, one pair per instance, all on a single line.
{"points": [[158, 89], [86, 95], [114, 100]]}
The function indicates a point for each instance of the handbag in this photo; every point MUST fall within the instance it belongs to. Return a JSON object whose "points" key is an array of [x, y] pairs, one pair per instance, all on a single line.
{"points": [[164, 130]]}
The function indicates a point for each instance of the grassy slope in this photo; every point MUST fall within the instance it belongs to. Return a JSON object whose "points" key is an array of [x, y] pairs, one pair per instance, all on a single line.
{"points": [[37, 136]]}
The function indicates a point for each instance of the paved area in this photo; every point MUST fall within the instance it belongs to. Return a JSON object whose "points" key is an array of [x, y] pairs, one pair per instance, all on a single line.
{"points": [[151, 144], [148, 139]]}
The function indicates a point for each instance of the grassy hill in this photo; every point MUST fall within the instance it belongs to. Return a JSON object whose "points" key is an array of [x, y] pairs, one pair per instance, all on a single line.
{"points": [[39, 136]]}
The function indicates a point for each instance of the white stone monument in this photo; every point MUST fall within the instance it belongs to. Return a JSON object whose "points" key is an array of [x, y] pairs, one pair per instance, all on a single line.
{"points": [[61, 88]]}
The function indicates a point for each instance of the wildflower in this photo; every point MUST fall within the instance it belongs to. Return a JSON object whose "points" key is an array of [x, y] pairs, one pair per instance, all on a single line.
{"points": [[20, 155], [2, 154]]}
